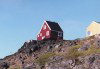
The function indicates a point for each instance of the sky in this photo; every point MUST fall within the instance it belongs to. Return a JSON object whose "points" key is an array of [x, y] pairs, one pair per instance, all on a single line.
{"points": [[21, 20]]}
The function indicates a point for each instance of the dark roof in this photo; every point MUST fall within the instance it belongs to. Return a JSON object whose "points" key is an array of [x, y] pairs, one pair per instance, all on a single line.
{"points": [[54, 26]]}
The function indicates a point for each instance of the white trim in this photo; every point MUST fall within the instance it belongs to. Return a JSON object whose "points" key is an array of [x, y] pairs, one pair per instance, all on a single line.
{"points": [[60, 26], [40, 28], [47, 33], [47, 25], [44, 27], [40, 34]]}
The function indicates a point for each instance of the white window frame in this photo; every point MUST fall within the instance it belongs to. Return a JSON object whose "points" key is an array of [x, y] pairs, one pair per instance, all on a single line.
{"points": [[60, 34], [47, 33], [43, 37], [89, 33], [40, 34], [44, 27]]}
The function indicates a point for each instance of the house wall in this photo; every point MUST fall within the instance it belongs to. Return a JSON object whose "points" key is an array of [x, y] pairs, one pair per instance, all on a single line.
{"points": [[94, 29], [43, 31], [54, 35]]}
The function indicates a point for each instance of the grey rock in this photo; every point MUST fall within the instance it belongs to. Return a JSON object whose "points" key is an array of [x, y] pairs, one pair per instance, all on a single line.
{"points": [[96, 64], [4, 65], [79, 67], [85, 46]]}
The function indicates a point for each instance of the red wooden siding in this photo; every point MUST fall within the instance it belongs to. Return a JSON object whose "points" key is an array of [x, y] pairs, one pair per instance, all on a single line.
{"points": [[44, 32]]}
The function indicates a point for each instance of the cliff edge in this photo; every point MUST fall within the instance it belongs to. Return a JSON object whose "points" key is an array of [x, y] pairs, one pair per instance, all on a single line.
{"points": [[56, 54]]}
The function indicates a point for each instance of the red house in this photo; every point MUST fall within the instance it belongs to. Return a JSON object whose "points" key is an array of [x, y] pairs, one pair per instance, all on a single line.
{"points": [[50, 30]]}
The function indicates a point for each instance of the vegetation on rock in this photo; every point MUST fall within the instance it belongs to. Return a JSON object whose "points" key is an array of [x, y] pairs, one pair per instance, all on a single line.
{"points": [[51, 54]]}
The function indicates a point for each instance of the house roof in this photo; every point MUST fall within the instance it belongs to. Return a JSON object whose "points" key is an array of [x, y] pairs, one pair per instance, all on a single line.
{"points": [[54, 26], [95, 22]]}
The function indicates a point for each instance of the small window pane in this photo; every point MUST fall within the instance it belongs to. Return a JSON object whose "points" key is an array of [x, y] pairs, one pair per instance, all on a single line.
{"points": [[47, 33], [44, 27], [40, 34], [60, 34], [88, 32], [43, 37]]}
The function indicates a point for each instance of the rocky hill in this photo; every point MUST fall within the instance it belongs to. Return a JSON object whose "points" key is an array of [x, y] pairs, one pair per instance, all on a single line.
{"points": [[56, 54]]}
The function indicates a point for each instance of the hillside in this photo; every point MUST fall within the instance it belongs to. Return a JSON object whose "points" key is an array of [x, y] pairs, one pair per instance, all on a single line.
{"points": [[60, 54]]}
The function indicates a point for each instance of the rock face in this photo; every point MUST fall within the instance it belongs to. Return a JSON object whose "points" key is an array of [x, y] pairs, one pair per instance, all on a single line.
{"points": [[55, 54], [4, 65], [88, 62], [97, 41], [85, 46]]}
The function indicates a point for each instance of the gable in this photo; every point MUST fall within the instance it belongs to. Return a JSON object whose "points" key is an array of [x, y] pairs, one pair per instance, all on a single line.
{"points": [[42, 27], [45, 26], [44, 32]]}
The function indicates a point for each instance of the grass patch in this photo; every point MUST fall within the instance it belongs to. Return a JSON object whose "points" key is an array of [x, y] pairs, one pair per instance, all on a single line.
{"points": [[91, 50], [17, 67], [73, 52], [44, 58]]}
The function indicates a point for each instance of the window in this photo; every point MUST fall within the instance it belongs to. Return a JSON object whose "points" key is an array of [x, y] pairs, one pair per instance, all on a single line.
{"points": [[89, 33], [43, 37], [47, 33], [40, 34], [44, 27], [60, 34]]}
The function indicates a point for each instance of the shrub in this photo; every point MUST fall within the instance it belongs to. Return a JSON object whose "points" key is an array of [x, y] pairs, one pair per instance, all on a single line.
{"points": [[91, 50], [73, 52], [44, 58], [17, 67]]}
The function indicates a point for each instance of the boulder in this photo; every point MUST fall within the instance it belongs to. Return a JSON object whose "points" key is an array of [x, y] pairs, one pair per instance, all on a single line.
{"points": [[4, 65], [85, 46]]}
